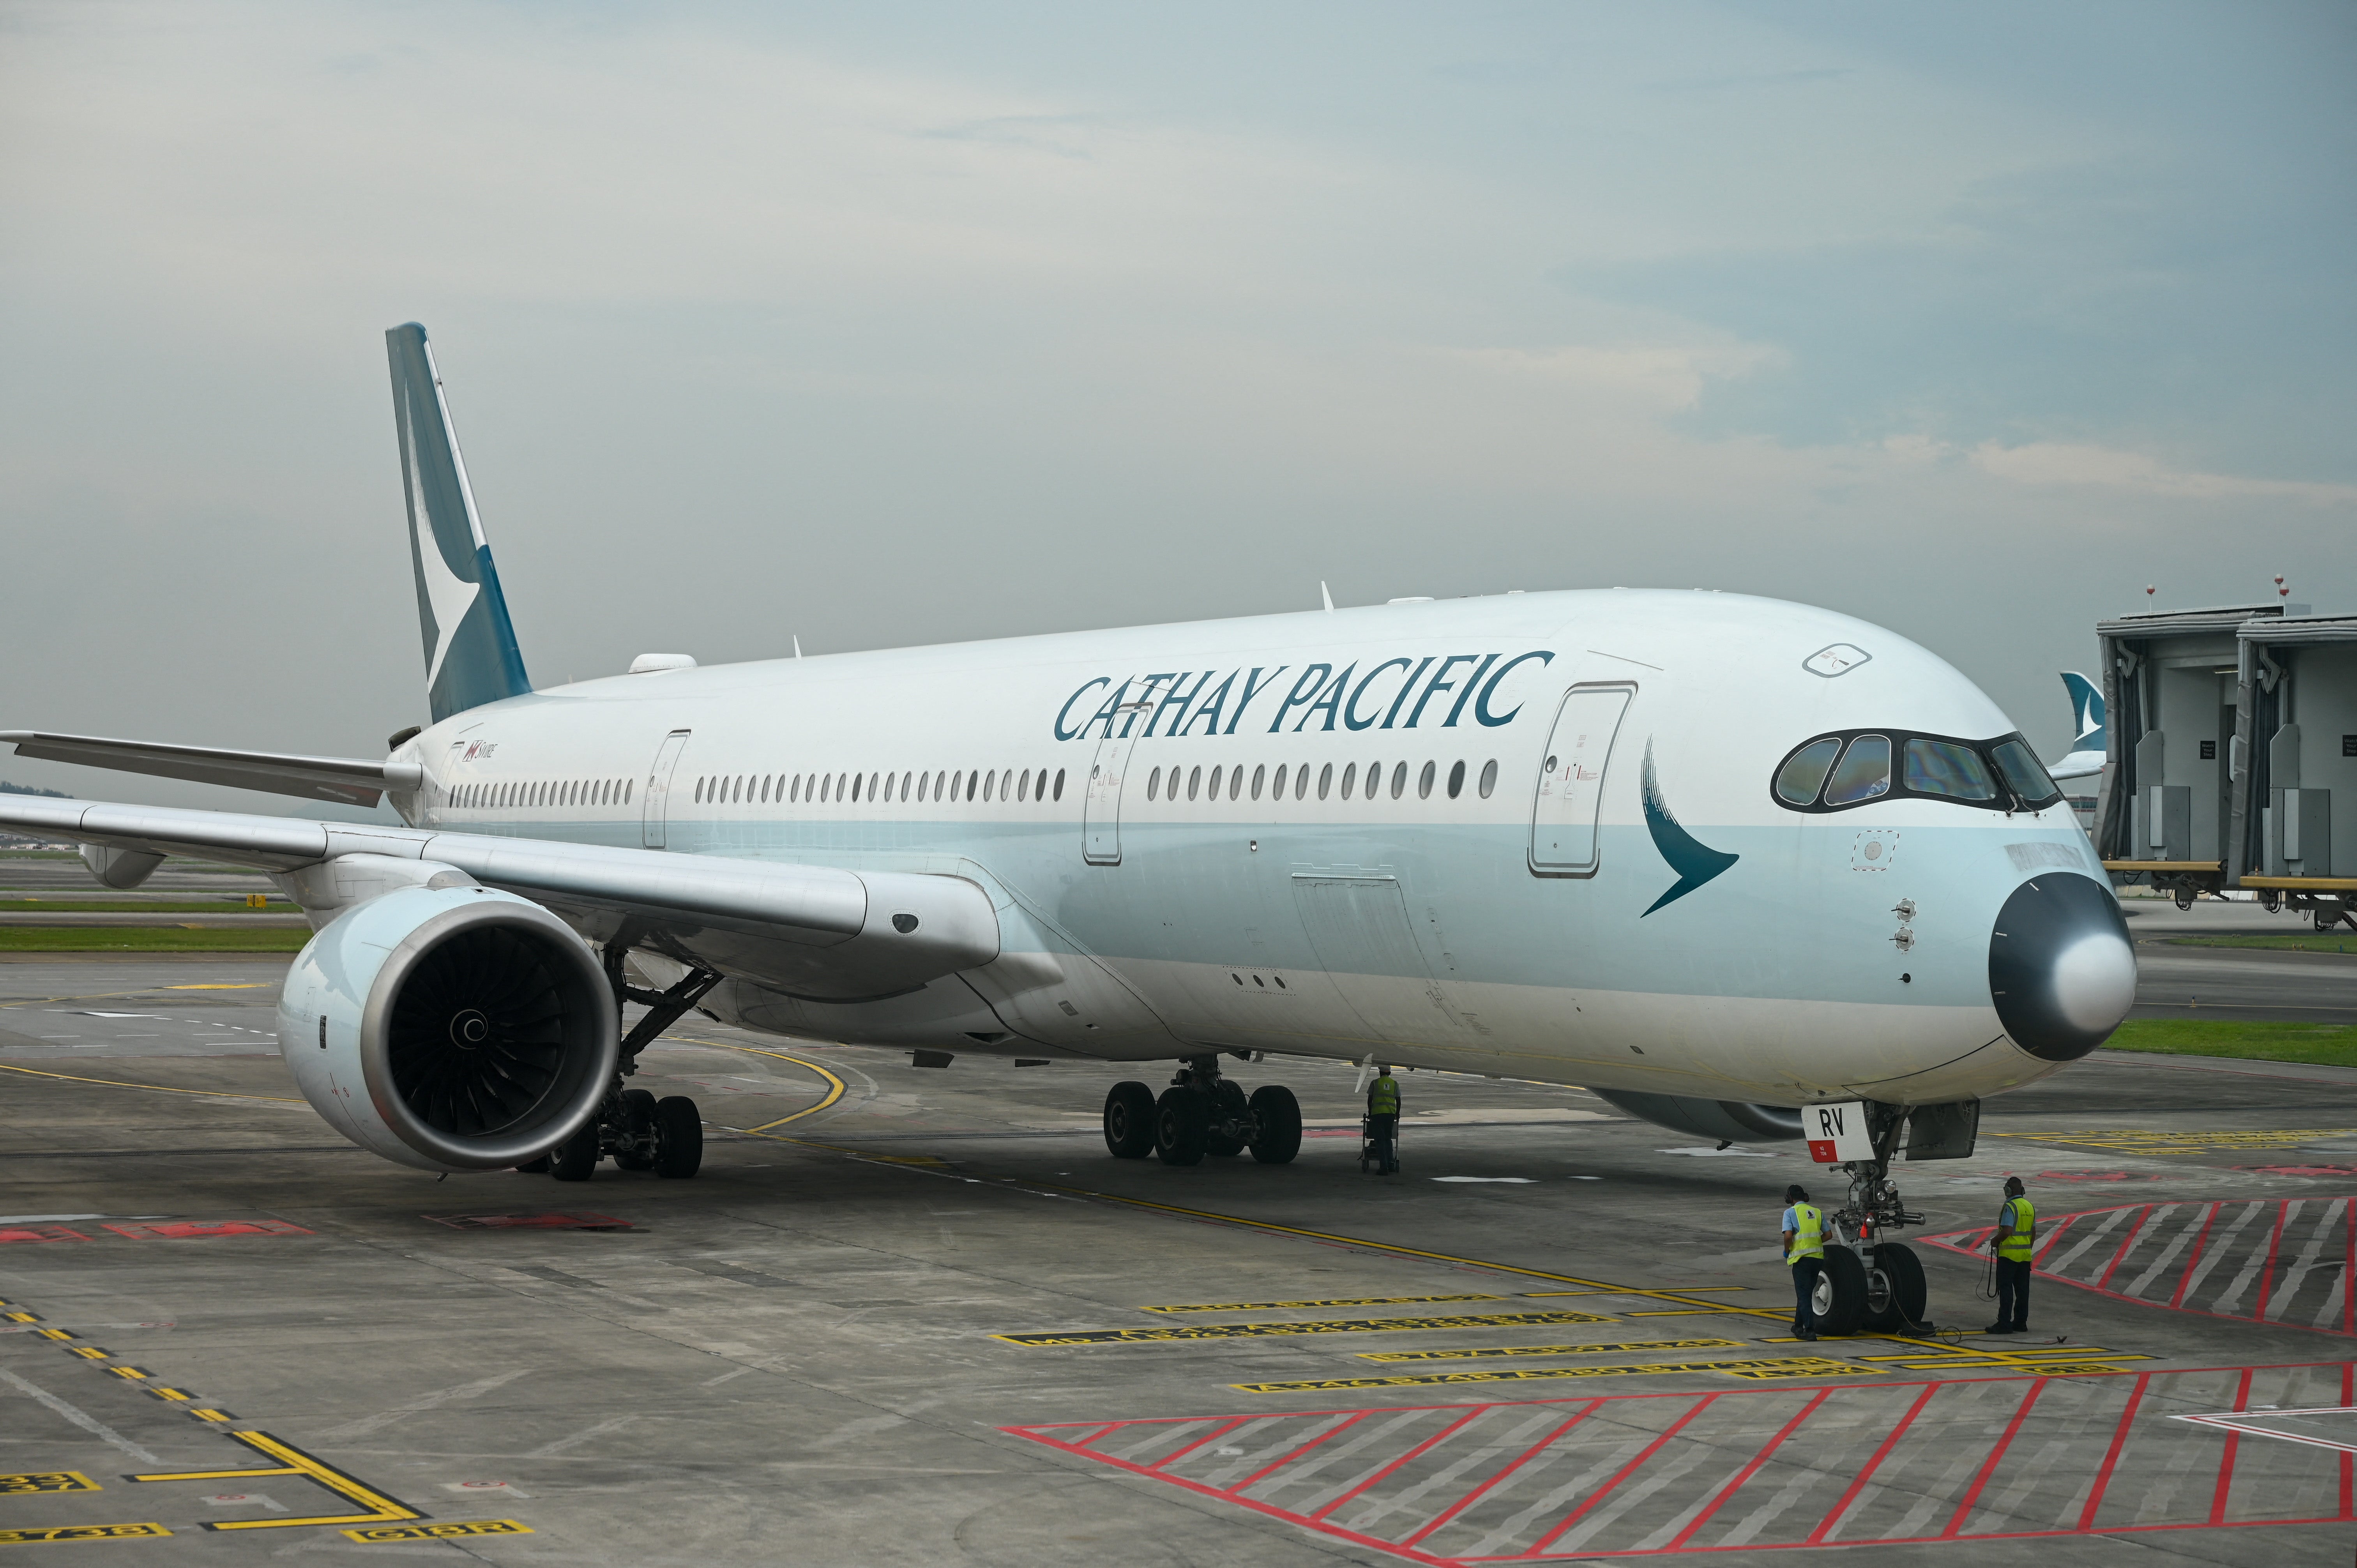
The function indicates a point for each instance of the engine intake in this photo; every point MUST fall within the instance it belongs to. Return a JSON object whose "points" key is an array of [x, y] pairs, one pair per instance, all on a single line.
{"points": [[450, 1029]]}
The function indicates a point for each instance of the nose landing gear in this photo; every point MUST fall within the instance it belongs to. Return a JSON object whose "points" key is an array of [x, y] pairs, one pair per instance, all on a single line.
{"points": [[1202, 1112], [1870, 1283]]}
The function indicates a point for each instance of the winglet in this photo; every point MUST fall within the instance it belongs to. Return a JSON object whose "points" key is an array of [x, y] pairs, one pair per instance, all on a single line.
{"points": [[471, 656]]}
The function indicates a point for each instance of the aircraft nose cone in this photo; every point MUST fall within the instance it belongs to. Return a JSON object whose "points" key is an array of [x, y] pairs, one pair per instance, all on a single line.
{"points": [[2061, 971]]}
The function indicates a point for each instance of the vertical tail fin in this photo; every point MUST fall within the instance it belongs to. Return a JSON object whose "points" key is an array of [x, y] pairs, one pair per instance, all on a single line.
{"points": [[471, 656], [2086, 712]]}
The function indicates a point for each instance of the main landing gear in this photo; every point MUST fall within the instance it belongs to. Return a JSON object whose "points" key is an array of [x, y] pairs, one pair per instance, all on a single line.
{"points": [[1202, 1114], [1868, 1283], [632, 1128]]}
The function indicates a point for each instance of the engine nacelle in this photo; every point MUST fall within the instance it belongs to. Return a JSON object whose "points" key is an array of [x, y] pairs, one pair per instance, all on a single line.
{"points": [[450, 1029], [1732, 1120]]}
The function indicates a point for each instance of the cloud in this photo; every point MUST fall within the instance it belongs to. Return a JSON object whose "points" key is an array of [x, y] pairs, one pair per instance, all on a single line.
{"points": [[2048, 463]]}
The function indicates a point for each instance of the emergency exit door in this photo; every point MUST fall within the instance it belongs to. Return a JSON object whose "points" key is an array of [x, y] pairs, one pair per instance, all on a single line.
{"points": [[655, 832], [1571, 780]]}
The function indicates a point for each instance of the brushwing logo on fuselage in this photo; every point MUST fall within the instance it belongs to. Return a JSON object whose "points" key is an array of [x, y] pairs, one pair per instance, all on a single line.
{"points": [[1695, 862]]}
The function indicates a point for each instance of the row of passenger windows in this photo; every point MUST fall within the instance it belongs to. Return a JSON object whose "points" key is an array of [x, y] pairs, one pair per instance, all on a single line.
{"points": [[821, 789], [1157, 787], [1834, 772], [541, 793]]}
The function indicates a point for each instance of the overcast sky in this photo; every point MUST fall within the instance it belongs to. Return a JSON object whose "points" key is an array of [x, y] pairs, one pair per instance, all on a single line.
{"points": [[888, 324]]}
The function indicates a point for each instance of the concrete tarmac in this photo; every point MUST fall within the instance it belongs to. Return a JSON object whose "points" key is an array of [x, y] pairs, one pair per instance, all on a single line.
{"points": [[910, 1316]]}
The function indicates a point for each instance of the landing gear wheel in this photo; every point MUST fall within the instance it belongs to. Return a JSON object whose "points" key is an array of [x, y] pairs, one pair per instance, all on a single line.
{"points": [[679, 1137], [1129, 1121], [1228, 1104], [1839, 1300], [638, 1130], [1279, 1116], [1895, 1293], [1180, 1126], [575, 1158]]}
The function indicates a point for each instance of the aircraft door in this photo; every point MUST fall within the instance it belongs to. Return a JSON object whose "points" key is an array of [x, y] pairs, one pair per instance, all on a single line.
{"points": [[1101, 813], [1571, 780], [655, 835]]}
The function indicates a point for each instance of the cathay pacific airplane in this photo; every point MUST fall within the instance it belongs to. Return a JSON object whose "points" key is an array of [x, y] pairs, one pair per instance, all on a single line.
{"points": [[1720, 859]]}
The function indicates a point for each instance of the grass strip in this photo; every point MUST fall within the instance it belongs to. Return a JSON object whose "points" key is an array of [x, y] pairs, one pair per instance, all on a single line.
{"points": [[151, 939], [2316, 941], [2322, 1045], [142, 907]]}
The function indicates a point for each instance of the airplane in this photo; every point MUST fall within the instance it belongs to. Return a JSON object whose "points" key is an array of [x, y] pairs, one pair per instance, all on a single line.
{"points": [[2087, 756], [1717, 858]]}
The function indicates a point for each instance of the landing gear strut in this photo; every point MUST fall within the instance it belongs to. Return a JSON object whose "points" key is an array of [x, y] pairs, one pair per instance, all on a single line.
{"points": [[1202, 1112], [637, 1131], [1867, 1283]]}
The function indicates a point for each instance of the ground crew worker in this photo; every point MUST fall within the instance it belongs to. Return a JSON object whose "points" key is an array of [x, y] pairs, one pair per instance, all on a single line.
{"points": [[1804, 1250], [1382, 1120], [2017, 1228]]}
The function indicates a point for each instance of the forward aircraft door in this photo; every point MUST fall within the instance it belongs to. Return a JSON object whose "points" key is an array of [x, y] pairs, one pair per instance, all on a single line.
{"points": [[1101, 813], [1571, 780], [658, 790]]}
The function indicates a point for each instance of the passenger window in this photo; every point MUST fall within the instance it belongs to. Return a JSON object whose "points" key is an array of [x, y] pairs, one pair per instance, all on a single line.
{"points": [[989, 781], [1804, 772], [1456, 781], [1154, 785], [1326, 780], [1235, 782], [1944, 767], [1489, 776], [2026, 774], [1260, 774], [1424, 782], [1059, 784], [1864, 772], [1023, 786], [1349, 777], [871, 785], [1277, 789], [972, 781], [1399, 779], [1007, 785]]}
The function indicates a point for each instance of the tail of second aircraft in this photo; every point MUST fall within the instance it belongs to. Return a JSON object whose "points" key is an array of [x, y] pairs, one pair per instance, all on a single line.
{"points": [[471, 656], [2086, 712]]}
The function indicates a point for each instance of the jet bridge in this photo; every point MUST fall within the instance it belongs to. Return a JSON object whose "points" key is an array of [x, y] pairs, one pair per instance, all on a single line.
{"points": [[2231, 750]]}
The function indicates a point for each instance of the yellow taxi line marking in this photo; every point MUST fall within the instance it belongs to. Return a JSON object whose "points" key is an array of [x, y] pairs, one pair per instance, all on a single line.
{"points": [[1757, 1371], [2132, 1141], [1488, 1352], [295, 1462], [154, 1088], [1287, 1330], [247, 985], [835, 1086], [1334, 1300]]}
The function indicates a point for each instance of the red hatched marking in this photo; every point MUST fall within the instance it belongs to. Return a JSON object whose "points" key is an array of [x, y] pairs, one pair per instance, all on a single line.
{"points": [[529, 1221], [204, 1231], [1760, 1469], [39, 1233]]}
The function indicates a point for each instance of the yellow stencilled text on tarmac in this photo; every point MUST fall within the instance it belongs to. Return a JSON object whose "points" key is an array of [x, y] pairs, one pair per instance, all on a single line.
{"points": [[1795, 1367], [1283, 1330], [1490, 1352], [440, 1531], [80, 1532], [46, 1481], [1337, 1301]]}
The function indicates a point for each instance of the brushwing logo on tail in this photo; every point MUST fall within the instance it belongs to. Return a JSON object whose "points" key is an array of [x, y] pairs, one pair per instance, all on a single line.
{"points": [[1695, 862]]}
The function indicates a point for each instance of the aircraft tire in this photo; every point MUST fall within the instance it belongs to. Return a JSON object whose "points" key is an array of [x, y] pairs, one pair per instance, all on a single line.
{"points": [[1841, 1293], [1904, 1295], [679, 1137], [1129, 1121], [638, 1119], [1279, 1116], [1229, 1104], [576, 1158], [1181, 1119]]}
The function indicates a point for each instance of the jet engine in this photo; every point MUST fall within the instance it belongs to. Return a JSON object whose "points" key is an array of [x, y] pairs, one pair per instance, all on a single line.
{"points": [[453, 1029], [1731, 1120]]}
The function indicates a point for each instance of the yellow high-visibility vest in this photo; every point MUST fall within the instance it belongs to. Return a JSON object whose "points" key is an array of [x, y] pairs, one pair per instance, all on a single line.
{"points": [[2015, 1249], [1809, 1232], [1383, 1098]]}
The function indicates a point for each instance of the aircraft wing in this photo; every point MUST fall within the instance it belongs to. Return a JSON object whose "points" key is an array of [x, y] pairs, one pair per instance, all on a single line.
{"points": [[824, 931], [354, 781]]}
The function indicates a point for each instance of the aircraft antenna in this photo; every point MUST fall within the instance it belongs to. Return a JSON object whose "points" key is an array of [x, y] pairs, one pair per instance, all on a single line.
{"points": [[798, 648], [1326, 595]]}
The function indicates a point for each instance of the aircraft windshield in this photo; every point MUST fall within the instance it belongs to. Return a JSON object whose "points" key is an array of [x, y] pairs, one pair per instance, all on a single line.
{"points": [[1853, 768]]}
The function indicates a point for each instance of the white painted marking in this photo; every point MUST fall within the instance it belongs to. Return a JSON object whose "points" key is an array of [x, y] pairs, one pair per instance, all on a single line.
{"points": [[81, 1418], [551, 1450], [368, 1423], [1515, 1180], [1720, 1153]]}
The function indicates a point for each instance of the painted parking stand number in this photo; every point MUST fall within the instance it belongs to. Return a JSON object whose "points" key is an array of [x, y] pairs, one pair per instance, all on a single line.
{"points": [[46, 1481], [440, 1531], [1837, 1132], [82, 1533]]}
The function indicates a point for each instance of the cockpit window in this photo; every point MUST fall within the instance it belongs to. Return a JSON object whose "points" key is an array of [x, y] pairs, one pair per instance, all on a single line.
{"points": [[1999, 775], [1947, 767], [2025, 773], [1798, 781], [1864, 773]]}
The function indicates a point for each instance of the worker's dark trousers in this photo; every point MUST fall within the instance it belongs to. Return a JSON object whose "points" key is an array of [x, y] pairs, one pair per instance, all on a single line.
{"points": [[2013, 1293], [1805, 1285], [1385, 1132]]}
